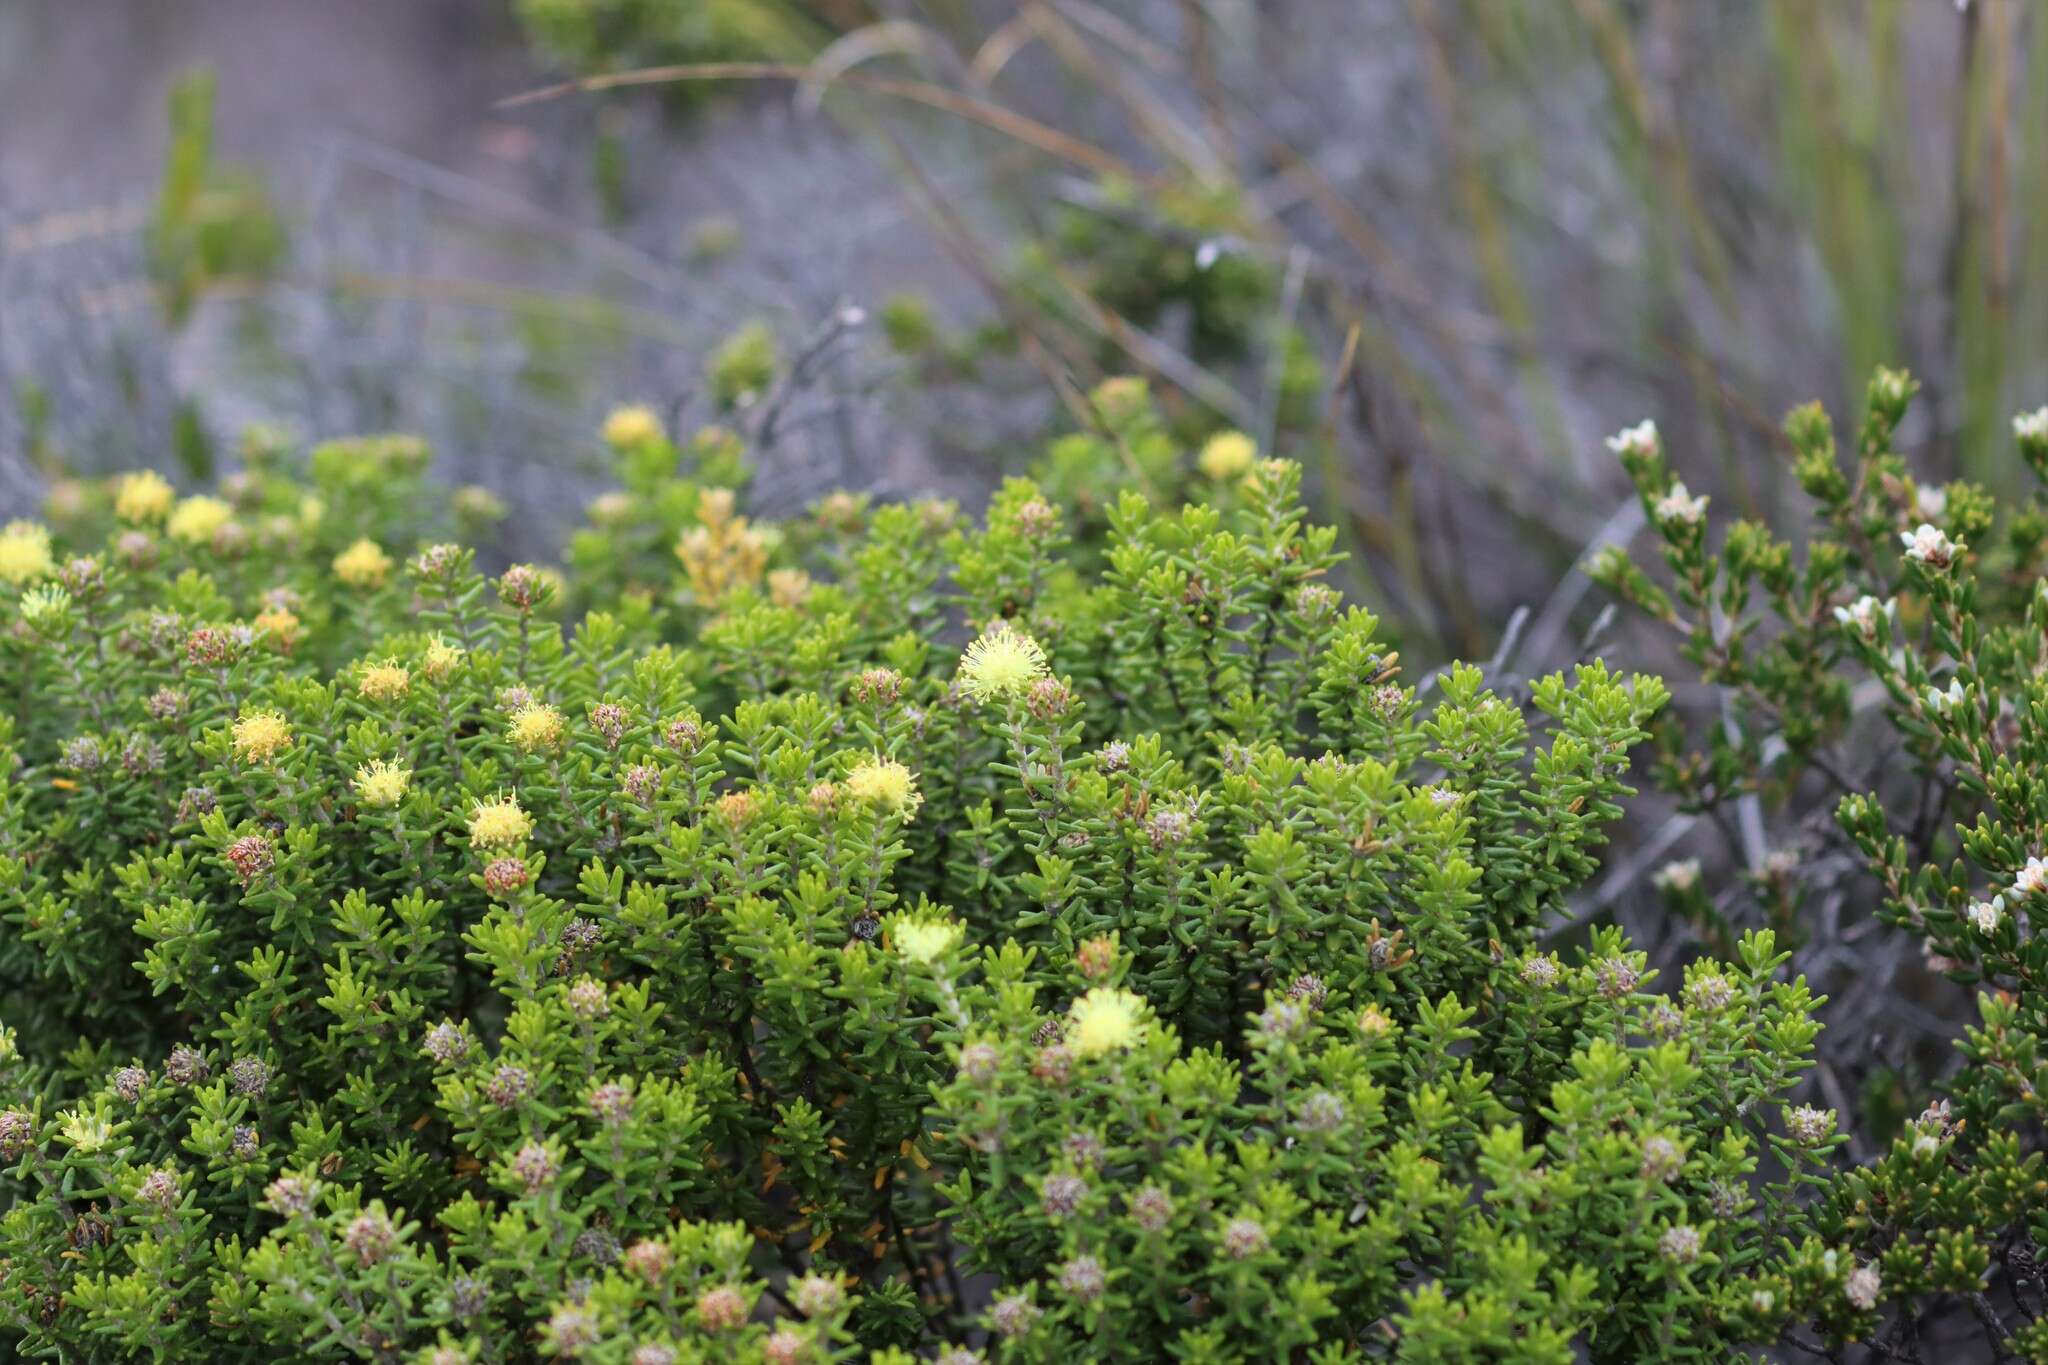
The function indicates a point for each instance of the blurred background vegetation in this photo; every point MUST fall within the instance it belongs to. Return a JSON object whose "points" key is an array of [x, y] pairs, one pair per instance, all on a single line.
{"points": [[1433, 248]]}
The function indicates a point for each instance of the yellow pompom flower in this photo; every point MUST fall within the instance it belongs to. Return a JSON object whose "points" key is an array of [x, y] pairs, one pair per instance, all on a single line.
{"points": [[25, 552], [1002, 663], [499, 823], [261, 736], [1227, 455], [535, 727], [632, 426], [1105, 1020], [280, 624], [885, 783], [144, 496], [363, 565], [196, 519], [384, 682], [925, 941], [382, 784], [440, 659]]}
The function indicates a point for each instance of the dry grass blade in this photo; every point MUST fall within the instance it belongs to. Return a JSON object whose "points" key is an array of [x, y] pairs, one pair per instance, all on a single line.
{"points": [[1007, 121], [998, 48], [891, 37], [1151, 116]]}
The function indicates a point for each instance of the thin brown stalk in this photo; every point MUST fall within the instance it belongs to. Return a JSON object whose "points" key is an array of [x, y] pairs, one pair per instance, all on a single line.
{"points": [[1006, 121]]}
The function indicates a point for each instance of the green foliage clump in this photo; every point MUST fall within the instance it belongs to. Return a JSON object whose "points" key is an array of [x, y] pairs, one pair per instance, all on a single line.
{"points": [[743, 366], [212, 224], [883, 936]]}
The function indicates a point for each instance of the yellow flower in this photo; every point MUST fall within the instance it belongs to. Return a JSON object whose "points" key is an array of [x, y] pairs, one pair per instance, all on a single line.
{"points": [[1120, 398], [25, 552], [85, 1131], [382, 784], [737, 808], [473, 503], [363, 565], [499, 823], [886, 783], [632, 426], [925, 940], [1105, 1020], [1002, 663], [1373, 1023], [535, 727], [384, 682], [196, 519], [280, 624], [788, 587], [311, 510], [440, 659], [261, 736], [1227, 455], [143, 497]]}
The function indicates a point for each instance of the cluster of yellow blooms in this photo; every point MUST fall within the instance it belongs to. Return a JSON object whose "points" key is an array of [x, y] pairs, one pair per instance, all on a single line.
{"points": [[499, 824], [440, 659], [384, 682], [143, 498], [1001, 664], [196, 519], [886, 784], [536, 728], [630, 427], [281, 624], [382, 784], [363, 565], [722, 552], [925, 941], [1105, 1020], [1227, 455], [25, 552], [261, 736]]}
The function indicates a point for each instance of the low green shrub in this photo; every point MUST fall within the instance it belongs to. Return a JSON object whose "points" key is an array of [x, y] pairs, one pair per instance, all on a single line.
{"points": [[1891, 672], [884, 935]]}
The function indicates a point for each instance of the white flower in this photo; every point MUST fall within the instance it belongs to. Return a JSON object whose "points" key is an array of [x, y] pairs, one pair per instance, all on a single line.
{"points": [[1985, 915], [1938, 700], [1862, 1287], [1678, 877], [2031, 879], [1679, 507], [1931, 502], [1861, 615], [1809, 1126], [1638, 439], [1928, 544], [2031, 426]]}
